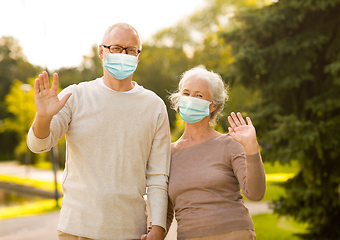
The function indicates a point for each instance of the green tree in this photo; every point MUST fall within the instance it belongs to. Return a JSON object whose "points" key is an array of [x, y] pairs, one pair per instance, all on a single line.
{"points": [[90, 68], [289, 52], [198, 37], [92, 65], [20, 104], [13, 65], [159, 71]]}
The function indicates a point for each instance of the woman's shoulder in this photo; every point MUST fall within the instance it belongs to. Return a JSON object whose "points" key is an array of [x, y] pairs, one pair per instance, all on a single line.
{"points": [[229, 144]]}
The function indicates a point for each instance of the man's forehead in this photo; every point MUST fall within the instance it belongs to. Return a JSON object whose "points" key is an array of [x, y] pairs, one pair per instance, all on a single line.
{"points": [[121, 35]]}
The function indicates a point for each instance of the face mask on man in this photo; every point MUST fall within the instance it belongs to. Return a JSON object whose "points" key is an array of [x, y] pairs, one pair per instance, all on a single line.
{"points": [[120, 65], [193, 109]]}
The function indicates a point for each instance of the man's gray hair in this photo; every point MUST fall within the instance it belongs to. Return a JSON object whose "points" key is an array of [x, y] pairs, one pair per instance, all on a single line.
{"points": [[217, 88], [120, 25]]}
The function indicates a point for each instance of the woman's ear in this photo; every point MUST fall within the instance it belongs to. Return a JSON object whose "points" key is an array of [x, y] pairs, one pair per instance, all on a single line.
{"points": [[213, 107]]}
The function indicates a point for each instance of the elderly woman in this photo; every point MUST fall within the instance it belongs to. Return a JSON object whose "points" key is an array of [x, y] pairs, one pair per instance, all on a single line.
{"points": [[208, 168]]}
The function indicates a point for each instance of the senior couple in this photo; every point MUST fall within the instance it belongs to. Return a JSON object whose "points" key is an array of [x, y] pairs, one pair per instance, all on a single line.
{"points": [[118, 145]]}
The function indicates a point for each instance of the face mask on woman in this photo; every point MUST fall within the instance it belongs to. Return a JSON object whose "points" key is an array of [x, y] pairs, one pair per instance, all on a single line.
{"points": [[193, 109], [119, 65]]}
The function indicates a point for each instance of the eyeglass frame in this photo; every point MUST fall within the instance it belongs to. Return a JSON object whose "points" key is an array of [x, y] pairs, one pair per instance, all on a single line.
{"points": [[123, 48]]}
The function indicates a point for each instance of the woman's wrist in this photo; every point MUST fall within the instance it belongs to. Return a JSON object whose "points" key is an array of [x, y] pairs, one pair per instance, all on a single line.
{"points": [[251, 148]]}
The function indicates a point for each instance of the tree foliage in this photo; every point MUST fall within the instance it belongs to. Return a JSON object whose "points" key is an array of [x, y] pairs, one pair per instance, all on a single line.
{"points": [[90, 68], [13, 65], [290, 53], [20, 104], [159, 70]]}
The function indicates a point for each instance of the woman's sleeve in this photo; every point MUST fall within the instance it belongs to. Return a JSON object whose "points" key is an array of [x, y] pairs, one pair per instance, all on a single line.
{"points": [[250, 173]]}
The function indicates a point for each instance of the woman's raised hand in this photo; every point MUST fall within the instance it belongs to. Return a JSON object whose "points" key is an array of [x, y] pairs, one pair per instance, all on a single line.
{"points": [[243, 132], [46, 99]]}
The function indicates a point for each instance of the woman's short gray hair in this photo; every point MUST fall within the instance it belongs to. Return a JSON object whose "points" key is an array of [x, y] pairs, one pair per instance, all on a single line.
{"points": [[218, 90]]}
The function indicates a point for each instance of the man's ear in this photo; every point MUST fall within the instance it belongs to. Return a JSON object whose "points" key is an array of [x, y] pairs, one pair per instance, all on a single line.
{"points": [[139, 56], [101, 51]]}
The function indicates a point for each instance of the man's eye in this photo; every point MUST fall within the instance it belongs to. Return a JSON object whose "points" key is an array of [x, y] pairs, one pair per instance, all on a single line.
{"points": [[116, 49]]}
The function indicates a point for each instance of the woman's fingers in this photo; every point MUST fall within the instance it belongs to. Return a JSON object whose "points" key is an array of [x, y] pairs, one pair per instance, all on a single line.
{"points": [[239, 115], [231, 122], [237, 120], [249, 121]]}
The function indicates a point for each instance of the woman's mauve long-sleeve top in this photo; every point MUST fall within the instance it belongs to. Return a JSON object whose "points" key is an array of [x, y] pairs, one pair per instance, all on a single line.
{"points": [[204, 187]]}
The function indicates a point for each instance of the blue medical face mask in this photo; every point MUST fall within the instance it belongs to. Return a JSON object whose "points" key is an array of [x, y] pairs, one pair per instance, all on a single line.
{"points": [[193, 109], [120, 65]]}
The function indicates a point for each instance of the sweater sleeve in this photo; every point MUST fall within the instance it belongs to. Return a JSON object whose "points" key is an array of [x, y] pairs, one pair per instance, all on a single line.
{"points": [[157, 172], [58, 128], [170, 215], [250, 173]]}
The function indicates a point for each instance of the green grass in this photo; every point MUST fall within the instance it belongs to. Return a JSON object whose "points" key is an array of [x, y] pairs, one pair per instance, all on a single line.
{"points": [[292, 167], [30, 208], [276, 174], [26, 209], [44, 165], [45, 185], [270, 226], [273, 191]]}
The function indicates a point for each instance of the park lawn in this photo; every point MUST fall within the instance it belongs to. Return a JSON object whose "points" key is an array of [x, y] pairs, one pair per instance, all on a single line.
{"points": [[276, 167], [45, 185], [270, 226], [276, 174], [29, 208], [26, 209]]}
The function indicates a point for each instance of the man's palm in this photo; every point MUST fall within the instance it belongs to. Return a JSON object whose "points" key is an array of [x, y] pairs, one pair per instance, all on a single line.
{"points": [[47, 102]]}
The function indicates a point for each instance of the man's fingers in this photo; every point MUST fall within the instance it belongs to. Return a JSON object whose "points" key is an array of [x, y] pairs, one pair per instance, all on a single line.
{"points": [[143, 237], [36, 86], [55, 82], [65, 98], [46, 81]]}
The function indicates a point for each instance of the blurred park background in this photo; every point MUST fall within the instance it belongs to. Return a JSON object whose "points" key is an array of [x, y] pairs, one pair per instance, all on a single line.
{"points": [[281, 61]]}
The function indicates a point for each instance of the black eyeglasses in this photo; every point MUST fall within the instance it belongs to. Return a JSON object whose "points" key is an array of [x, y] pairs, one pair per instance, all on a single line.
{"points": [[133, 51]]}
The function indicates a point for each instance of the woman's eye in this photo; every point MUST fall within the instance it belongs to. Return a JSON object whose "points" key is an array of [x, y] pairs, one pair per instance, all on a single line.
{"points": [[199, 96], [186, 94]]}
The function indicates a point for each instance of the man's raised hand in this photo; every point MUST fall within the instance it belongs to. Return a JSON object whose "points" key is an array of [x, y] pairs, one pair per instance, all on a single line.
{"points": [[46, 99]]}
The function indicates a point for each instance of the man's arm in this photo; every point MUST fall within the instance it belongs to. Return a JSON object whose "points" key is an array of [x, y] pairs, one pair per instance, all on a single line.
{"points": [[157, 176]]}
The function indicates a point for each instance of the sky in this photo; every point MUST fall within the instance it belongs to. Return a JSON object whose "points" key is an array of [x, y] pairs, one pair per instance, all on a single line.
{"points": [[58, 33]]}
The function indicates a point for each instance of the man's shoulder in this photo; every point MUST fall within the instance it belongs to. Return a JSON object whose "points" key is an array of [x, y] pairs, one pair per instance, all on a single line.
{"points": [[152, 95], [80, 86], [85, 84]]}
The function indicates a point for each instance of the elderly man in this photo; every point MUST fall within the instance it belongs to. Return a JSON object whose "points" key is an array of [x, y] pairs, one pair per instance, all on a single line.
{"points": [[118, 145]]}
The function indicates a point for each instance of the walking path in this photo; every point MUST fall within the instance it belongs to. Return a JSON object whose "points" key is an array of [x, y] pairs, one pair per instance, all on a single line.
{"points": [[43, 226]]}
